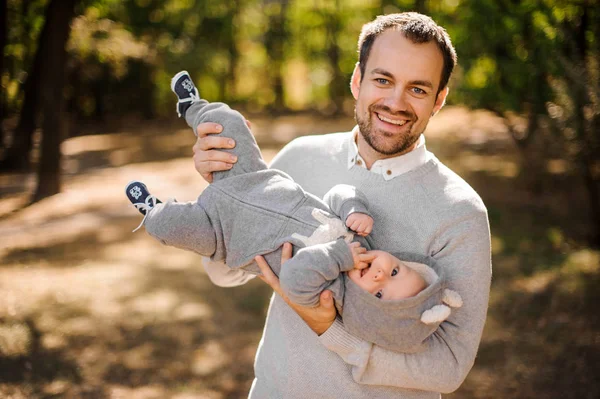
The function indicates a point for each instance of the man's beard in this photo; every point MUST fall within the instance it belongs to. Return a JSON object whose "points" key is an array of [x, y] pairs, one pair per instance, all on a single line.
{"points": [[377, 141]]}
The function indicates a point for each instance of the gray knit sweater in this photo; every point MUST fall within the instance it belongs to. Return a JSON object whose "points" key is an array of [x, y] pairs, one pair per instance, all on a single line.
{"points": [[429, 210]]}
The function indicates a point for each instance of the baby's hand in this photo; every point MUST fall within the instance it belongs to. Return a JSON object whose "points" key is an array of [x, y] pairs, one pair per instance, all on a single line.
{"points": [[359, 256], [361, 223]]}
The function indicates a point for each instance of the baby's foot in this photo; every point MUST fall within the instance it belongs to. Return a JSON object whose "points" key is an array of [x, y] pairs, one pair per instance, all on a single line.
{"points": [[186, 92], [140, 197]]}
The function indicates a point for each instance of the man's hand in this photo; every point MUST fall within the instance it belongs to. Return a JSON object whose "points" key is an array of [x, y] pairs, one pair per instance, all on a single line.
{"points": [[360, 223], [360, 256], [318, 318], [206, 157]]}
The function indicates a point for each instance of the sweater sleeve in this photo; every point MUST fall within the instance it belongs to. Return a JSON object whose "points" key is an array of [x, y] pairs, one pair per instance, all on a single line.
{"points": [[345, 200], [312, 269], [464, 250]]}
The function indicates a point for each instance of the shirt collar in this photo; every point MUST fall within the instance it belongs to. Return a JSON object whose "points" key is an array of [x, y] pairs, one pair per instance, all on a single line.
{"points": [[389, 167]]}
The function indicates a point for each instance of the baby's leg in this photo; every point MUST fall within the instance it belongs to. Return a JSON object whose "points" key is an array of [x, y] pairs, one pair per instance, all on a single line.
{"points": [[197, 110], [182, 225], [313, 269], [249, 157]]}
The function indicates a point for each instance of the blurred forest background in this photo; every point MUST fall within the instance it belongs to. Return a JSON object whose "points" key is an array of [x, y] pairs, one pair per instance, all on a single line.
{"points": [[89, 310]]}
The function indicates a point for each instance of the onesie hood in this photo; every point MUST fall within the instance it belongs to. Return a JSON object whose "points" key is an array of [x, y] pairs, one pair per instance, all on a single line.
{"points": [[395, 324]]}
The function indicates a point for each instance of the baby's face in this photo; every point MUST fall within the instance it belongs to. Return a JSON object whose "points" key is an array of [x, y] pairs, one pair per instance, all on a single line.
{"points": [[388, 278]]}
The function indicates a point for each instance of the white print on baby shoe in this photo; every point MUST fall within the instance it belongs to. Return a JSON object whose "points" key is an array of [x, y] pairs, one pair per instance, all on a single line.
{"points": [[188, 85], [135, 192]]}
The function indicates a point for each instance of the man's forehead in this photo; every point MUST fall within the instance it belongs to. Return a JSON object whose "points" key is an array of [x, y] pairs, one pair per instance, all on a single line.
{"points": [[395, 54]]}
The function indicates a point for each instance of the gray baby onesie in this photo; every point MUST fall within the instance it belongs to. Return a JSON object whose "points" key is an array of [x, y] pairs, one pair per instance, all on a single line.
{"points": [[251, 210]]}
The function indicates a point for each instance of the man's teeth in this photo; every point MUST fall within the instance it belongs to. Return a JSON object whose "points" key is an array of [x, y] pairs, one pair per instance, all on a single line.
{"points": [[392, 121]]}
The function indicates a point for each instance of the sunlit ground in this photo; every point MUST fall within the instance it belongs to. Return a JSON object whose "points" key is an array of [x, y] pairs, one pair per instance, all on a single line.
{"points": [[90, 309]]}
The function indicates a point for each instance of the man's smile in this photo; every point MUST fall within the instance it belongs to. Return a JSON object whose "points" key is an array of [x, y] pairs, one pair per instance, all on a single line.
{"points": [[398, 122]]}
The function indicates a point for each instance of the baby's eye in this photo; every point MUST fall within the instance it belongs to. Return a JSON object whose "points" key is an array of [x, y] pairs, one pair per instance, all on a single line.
{"points": [[379, 294], [394, 272]]}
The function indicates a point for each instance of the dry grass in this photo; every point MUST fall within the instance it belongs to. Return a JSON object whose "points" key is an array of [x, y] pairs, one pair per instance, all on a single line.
{"points": [[112, 314]]}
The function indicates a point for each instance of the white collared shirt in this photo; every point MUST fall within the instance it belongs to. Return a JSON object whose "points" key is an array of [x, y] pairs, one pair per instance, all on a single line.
{"points": [[390, 167]]}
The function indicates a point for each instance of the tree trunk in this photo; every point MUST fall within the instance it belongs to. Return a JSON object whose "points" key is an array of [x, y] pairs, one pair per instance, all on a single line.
{"points": [[592, 188], [101, 86], [234, 54], [585, 125], [421, 6], [338, 86], [147, 87], [532, 155], [276, 37], [3, 38], [18, 155], [59, 15]]}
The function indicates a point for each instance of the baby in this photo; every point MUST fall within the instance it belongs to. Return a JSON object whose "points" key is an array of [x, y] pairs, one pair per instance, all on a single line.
{"points": [[251, 210]]}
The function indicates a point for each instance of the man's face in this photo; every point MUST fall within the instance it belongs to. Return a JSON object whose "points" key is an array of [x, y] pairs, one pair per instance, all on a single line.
{"points": [[388, 277], [397, 95]]}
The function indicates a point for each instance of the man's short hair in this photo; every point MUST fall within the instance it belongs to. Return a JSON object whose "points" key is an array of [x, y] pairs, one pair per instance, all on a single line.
{"points": [[416, 27]]}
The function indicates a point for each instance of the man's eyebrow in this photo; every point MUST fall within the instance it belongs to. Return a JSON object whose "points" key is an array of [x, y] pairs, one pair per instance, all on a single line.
{"points": [[425, 83], [379, 71]]}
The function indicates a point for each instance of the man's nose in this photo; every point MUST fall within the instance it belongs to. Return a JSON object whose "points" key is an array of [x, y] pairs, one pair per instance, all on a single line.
{"points": [[396, 101]]}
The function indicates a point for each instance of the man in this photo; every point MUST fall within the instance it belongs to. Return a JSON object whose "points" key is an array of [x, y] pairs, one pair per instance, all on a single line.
{"points": [[419, 205]]}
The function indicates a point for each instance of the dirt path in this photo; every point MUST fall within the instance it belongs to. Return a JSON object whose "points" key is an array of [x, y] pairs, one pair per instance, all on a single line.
{"points": [[106, 313]]}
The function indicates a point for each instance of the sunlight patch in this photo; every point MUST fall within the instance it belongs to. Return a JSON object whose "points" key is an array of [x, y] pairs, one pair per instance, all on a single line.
{"points": [[586, 261], [208, 359], [537, 283], [158, 302], [192, 311]]}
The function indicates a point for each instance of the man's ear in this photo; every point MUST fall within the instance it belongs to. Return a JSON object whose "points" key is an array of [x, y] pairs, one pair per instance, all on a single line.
{"points": [[440, 100], [355, 82]]}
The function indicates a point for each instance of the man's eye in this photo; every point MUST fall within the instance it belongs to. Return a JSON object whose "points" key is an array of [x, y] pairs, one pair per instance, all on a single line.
{"points": [[394, 272], [379, 295], [418, 90], [381, 81]]}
